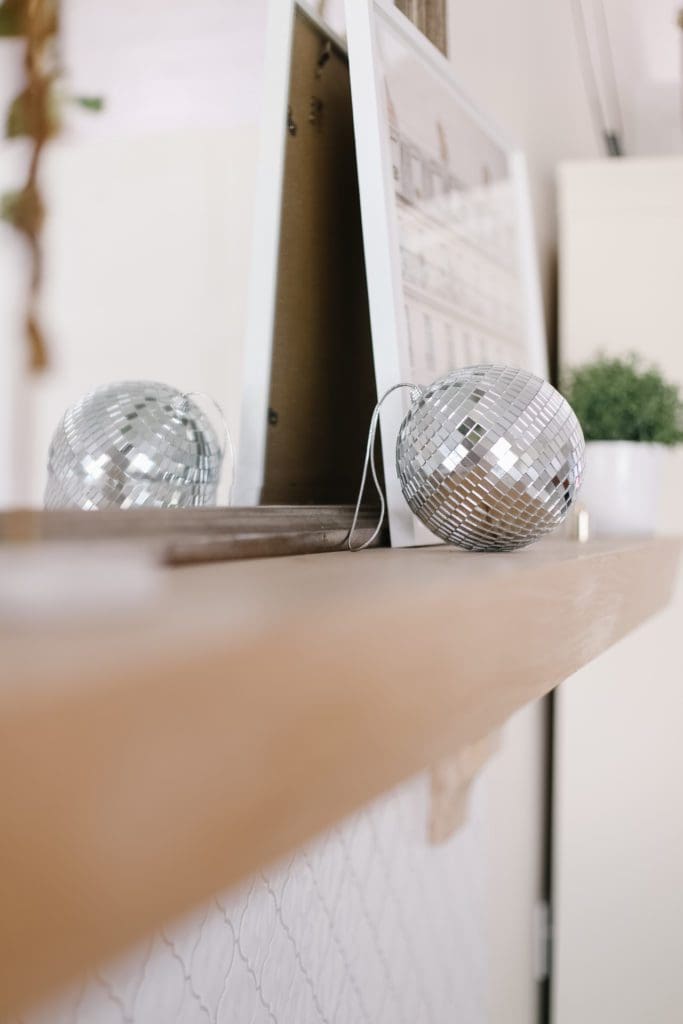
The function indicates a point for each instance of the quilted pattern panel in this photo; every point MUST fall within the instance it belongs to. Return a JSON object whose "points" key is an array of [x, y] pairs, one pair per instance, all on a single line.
{"points": [[369, 924]]}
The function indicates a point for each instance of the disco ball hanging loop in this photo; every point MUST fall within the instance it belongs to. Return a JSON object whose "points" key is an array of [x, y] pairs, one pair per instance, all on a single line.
{"points": [[133, 444], [490, 458]]}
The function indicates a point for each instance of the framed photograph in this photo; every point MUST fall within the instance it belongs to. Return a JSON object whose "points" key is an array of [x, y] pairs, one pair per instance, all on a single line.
{"points": [[447, 227]]}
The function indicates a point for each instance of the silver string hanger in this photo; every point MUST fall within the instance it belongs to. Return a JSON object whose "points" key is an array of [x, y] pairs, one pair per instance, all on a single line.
{"points": [[370, 461]]}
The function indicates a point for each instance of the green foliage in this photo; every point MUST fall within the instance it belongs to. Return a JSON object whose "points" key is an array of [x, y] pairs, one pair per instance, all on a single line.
{"points": [[9, 205], [619, 400], [92, 103], [11, 17]]}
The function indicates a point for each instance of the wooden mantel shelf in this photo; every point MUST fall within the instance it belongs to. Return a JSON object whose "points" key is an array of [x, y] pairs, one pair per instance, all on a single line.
{"points": [[151, 757]]}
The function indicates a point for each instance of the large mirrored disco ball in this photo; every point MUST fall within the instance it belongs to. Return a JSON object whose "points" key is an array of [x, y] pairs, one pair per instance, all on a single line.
{"points": [[490, 458], [130, 445]]}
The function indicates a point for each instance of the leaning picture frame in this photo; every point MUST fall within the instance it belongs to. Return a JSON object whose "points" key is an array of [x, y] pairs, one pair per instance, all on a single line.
{"points": [[308, 385], [447, 227], [261, 299]]}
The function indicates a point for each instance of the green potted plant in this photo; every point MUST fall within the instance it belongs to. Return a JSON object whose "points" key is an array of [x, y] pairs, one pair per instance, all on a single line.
{"points": [[628, 414]]}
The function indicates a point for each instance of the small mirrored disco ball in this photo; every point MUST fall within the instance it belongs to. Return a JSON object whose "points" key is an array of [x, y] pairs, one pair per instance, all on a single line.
{"points": [[133, 444], [490, 458]]}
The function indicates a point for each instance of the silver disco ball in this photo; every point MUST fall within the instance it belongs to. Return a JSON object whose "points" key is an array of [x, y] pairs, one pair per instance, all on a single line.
{"points": [[134, 444], [490, 458]]}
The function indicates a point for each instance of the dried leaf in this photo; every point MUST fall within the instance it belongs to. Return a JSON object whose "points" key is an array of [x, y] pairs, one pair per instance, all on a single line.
{"points": [[23, 209], [43, 20], [33, 112], [36, 344], [18, 118]]}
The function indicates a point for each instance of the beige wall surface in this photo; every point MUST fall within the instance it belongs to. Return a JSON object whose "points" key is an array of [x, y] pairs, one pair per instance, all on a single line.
{"points": [[518, 62], [148, 290], [619, 842]]}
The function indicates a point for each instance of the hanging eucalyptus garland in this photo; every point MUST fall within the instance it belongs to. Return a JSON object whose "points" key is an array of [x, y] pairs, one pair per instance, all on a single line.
{"points": [[35, 114], [32, 114]]}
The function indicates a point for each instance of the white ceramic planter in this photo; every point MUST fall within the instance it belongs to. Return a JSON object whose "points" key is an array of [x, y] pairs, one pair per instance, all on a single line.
{"points": [[621, 487]]}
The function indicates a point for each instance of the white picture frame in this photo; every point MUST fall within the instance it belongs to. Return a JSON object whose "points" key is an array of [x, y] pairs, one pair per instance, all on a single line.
{"points": [[377, 34]]}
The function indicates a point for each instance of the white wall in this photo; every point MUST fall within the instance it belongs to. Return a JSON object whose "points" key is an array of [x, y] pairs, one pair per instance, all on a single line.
{"points": [[518, 62], [12, 282], [648, 51], [146, 275]]}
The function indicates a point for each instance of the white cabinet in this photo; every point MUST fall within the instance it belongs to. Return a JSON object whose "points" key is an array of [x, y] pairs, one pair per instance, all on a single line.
{"points": [[618, 863]]}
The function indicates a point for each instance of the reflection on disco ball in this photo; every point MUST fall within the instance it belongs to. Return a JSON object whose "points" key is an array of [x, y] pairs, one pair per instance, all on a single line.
{"points": [[490, 458], [133, 444]]}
